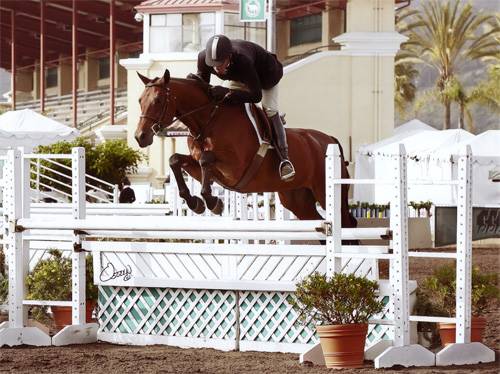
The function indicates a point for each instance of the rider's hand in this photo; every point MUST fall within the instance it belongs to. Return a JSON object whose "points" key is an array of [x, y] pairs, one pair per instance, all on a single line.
{"points": [[228, 98], [196, 77], [218, 92]]}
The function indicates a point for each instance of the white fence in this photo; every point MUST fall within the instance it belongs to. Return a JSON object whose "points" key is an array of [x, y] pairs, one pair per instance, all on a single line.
{"points": [[227, 283]]}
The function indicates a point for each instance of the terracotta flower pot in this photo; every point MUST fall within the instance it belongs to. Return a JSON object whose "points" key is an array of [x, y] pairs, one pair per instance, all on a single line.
{"points": [[447, 331], [62, 314], [343, 345]]}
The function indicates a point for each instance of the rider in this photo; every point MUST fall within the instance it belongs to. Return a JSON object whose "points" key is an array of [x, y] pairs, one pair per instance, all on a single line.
{"points": [[254, 74]]}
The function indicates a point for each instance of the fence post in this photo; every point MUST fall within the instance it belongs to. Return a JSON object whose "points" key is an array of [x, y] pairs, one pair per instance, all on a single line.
{"points": [[463, 351], [37, 180], [14, 331], [464, 247], [116, 193], [80, 331], [13, 240], [77, 256], [333, 209], [402, 352], [399, 268]]}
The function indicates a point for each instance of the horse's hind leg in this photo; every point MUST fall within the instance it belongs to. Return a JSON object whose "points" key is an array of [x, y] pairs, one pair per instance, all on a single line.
{"points": [[319, 191], [300, 202], [177, 163]]}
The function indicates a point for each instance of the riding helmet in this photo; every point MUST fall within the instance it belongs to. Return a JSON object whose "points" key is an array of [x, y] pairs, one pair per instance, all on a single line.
{"points": [[218, 49]]}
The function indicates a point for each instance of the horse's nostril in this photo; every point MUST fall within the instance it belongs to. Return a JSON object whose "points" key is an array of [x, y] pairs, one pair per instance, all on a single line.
{"points": [[139, 136]]}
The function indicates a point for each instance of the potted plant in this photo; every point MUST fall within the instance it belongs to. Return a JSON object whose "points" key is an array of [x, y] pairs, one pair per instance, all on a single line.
{"points": [[436, 296], [340, 306], [51, 280], [4, 287]]}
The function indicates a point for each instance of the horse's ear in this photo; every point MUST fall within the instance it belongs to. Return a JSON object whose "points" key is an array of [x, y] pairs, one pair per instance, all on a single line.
{"points": [[166, 76], [144, 79]]}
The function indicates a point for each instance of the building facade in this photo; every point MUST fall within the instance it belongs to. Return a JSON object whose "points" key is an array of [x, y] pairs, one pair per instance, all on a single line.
{"points": [[339, 57]]}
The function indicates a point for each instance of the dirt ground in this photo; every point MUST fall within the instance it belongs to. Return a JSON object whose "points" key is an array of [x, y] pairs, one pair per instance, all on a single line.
{"points": [[108, 358]]}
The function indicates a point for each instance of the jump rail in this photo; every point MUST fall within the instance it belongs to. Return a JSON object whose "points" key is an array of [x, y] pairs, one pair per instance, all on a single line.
{"points": [[229, 270]]}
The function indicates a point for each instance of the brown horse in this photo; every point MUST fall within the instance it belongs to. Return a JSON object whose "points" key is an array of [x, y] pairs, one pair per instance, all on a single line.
{"points": [[223, 144]]}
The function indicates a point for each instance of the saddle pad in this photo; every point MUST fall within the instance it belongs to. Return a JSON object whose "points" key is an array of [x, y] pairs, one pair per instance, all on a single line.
{"points": [[259, 122]]}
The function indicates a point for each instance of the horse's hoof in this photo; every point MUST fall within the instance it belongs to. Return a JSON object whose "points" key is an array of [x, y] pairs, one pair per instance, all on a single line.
{"points": [[218, 208], [196, 204]]}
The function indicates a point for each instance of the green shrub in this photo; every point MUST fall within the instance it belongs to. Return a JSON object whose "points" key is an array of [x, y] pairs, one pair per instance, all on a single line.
{"points": [[338, 300], [51, 280], [4, 281], [436, 293], [109, 161], [4, 289]]}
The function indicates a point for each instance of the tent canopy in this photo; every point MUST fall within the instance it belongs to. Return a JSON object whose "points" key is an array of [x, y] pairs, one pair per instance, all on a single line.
{"points": [[486, 144], [415, 125], [430, 155], [426, 143], [26, 128], [402, 132]]}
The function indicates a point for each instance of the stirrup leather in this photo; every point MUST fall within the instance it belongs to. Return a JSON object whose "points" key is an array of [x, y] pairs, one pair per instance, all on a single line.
{"points": [[286, 169]]}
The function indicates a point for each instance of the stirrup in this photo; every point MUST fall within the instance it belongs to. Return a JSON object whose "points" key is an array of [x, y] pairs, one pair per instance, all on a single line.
{"points": [[287, 171]]}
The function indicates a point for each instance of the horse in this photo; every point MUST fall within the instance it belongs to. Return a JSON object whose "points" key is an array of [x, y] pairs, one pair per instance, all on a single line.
{"points": [[223, 143]]}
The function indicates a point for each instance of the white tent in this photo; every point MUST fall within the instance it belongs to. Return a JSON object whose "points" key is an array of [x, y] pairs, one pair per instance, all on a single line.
{"points": [[28, 129], [415, 125], [486, 161], [421, 147], [365, 160]]}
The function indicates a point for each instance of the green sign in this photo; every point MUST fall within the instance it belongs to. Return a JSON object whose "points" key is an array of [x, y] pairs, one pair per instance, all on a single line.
{"points": [[252, 10]]}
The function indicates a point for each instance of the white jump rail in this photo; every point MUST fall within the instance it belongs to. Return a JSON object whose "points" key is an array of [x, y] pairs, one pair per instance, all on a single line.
{"points": [[386, 354]]}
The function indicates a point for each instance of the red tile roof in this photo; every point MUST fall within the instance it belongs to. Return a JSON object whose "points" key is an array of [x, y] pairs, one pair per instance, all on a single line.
{"points": [[182, 6]]}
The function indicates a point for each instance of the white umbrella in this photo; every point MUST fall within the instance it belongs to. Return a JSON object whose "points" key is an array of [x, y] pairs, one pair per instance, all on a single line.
{"points": [[28, 129]]}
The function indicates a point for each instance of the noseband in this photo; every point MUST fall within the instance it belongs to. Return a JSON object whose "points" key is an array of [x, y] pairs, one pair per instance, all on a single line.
{"points": [[158, 127]]}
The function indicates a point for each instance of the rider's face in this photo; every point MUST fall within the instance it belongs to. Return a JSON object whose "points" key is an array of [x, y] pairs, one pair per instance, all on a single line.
{"points": [[222, 69]]}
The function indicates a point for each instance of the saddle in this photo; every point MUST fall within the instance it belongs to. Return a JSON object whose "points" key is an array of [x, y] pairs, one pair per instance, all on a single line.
{"points": [[260, 122], [264, 132]]}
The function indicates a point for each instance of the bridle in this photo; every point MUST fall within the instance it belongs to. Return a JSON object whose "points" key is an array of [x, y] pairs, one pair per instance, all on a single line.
{"points": [[158, 127]]}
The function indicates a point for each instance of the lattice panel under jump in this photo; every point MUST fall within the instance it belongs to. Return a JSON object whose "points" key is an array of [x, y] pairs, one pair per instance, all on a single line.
{"points": [[263, 321]]}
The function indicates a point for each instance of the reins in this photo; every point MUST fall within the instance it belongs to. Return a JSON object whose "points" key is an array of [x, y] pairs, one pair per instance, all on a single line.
{"points": [[158, 126]]}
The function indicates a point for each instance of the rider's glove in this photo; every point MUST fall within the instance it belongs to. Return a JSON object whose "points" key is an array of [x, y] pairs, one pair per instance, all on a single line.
{"points": [[229, 98], [196, 77], [218, 92]]}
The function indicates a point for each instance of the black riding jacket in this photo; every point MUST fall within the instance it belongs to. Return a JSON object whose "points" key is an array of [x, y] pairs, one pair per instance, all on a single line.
{"points": [[251, 65]]}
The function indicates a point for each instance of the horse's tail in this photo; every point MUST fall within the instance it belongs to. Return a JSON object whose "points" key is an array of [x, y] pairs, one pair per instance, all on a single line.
{"points": [[335, 141], [349, 220]]}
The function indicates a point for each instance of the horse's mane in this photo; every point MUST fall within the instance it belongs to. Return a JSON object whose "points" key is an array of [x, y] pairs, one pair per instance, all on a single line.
{"points": [[194, 80]]}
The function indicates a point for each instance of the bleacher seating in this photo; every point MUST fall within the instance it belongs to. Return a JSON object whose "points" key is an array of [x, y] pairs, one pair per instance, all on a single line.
{"points": [[91, 105]]}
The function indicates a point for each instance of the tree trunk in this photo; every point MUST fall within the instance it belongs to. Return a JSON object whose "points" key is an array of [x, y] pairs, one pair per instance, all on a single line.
{"points": [[462, 117], [447, 115]]}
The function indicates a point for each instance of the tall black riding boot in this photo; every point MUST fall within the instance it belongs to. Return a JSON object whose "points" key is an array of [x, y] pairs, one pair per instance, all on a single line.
{"points": [[286, 169]]}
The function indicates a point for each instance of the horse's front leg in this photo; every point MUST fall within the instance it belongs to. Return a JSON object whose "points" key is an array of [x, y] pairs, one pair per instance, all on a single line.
{"points": [[177, 163], [207, 161]]}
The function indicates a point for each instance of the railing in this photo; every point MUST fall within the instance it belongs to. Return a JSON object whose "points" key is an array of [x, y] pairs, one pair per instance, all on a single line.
{"points": [[99, 116], [51, 179]]}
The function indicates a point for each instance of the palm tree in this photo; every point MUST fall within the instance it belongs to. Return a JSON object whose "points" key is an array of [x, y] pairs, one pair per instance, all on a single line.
{"points": [[404, 86], [445, 35], [486, 93], [404, 72]]}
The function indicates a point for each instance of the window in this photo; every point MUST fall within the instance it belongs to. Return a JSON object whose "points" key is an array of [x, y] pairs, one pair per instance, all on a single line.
{"points": [[104, 68], [305, 30], [51, 78], [180, 32], [251, 31]]}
